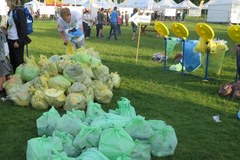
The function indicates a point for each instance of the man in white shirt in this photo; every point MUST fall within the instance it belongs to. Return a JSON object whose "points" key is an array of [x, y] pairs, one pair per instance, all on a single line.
{"points": [[70, 28]]}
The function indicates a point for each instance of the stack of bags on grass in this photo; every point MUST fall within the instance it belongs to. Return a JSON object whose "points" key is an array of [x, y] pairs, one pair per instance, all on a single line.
{"points": [[95, 134], [70, 81]]}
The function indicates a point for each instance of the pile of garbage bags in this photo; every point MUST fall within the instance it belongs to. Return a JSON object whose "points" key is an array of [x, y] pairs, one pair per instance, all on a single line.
{"points": [[68, 81], [94, 134]]}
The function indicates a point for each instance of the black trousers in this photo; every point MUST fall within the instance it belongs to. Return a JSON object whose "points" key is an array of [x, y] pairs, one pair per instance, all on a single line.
{"points": [[16, 54], [87, 29], [97, 30]]}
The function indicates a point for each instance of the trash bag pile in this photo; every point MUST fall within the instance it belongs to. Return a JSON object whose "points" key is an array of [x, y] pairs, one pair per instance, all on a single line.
{"points": [[94, 134], [68, 81]]}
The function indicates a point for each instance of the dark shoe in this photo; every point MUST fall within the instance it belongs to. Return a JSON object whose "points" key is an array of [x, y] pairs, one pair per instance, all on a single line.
{"points": [[116, 39], [108, 38], [2, 94]]}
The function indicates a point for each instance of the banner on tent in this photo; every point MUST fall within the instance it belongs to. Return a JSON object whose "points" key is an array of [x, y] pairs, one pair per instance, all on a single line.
{"points": [[47, 10], [194, 12], [170, 12]]}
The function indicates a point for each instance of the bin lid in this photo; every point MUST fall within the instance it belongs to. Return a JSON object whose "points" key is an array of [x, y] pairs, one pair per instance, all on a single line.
{"points": [[180, 30], [161, 28], [234, 33], [205, 31]]}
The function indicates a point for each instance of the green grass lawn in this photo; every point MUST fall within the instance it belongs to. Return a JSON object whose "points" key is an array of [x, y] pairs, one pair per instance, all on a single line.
{"points": [[182, 101]]}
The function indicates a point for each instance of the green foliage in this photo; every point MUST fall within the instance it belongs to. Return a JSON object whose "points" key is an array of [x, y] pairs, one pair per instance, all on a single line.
{"points": [[182, 101]]}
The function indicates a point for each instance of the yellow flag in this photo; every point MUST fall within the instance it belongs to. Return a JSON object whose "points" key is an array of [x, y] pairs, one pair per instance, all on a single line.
{"points": [[201, 4]]}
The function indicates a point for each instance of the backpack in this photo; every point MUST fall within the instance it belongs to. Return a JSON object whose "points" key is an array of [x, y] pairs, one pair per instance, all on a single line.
{"points": [[28, 17]]}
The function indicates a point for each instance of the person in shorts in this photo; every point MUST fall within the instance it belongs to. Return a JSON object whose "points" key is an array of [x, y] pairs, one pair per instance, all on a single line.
{"points": [[100, 23], [70, 28], [5, 66], [134, 26]]}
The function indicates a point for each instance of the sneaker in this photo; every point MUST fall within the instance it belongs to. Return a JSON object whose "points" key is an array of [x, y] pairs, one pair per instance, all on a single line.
{"points": [[2, 94]]}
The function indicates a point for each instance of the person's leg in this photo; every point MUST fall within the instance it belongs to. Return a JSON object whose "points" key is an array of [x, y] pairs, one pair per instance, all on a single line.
{"points": [[89, 31], [85, 29], [16, 55], [2, 80], [97, 30], [115, 26], [134, 29], [100, 31], [111, 32]]}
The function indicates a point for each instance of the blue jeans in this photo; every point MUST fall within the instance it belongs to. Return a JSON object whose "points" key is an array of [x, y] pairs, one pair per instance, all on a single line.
{"points": [[114, 26]]}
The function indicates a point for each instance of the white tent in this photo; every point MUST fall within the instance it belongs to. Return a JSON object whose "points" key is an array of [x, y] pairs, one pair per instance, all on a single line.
{"points": [[76, 2], [186, 4], [142, 4], [3, 8], [224, 11], [163, 4], [106, 4], [205, 5], [34, 5], [3, 11]]}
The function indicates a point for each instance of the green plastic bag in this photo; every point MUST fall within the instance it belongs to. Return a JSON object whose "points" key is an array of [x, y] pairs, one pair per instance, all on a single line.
{"points": [[115, 142], [141, 151], [108, 120], [55, 155], [30, 71], [46, 124], [19, 69], [59, 82], [70, 123], [41, 148], [156, 124], [124, 157], [94, 110], [88, 137], [171, 43], [82, 56], [138, 128], [67, 142], [92, 154], [163, 142], [124, 109]]}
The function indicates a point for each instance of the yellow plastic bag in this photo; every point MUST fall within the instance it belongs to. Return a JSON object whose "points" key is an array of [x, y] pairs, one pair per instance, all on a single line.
{"points": [[70, 48]]}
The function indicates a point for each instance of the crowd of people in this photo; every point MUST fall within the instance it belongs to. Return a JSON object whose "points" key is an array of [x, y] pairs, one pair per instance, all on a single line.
{"points": [[84, 24]]}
